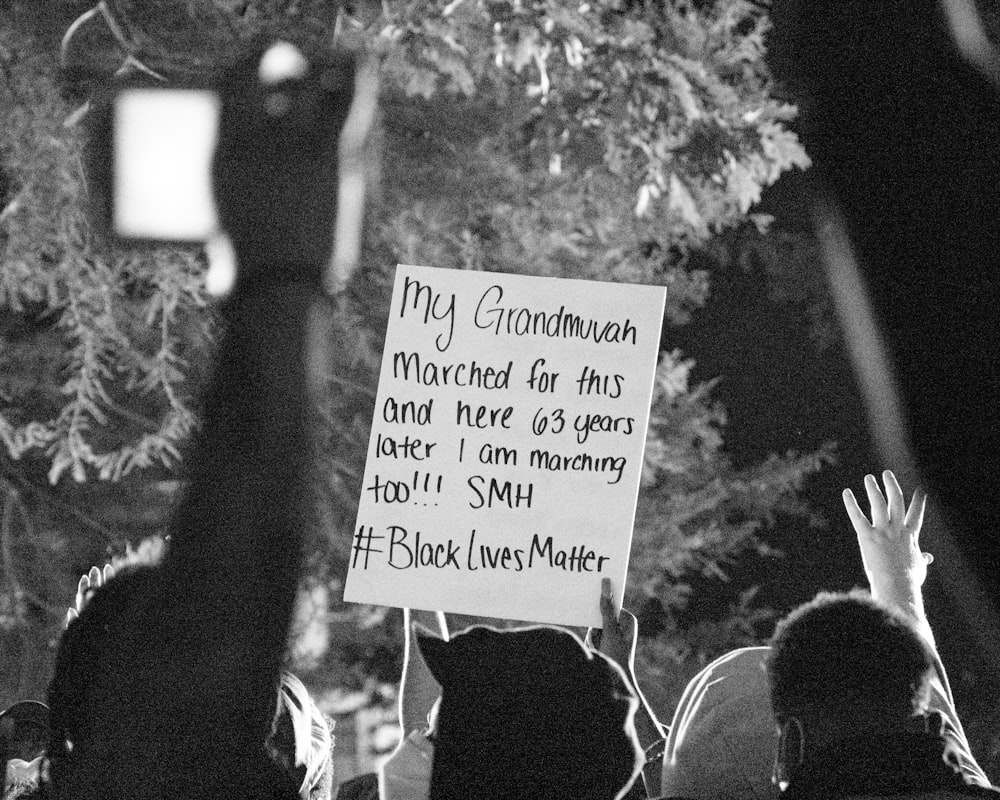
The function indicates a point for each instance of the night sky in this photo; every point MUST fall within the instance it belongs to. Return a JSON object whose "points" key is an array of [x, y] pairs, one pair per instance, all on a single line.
{"points": [[904, 135]]}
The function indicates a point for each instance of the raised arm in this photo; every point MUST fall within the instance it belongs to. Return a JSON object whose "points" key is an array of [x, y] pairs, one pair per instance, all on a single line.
{"points": [[406, 774], [165, 685], [896, 568], [418, 691], [890, 547], [617, 640]]}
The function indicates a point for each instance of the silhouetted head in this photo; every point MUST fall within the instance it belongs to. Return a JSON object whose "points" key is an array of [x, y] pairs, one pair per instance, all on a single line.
{"points": [[849, 657], [529, 713], [79, 679], [844, 668], [301, 742]]}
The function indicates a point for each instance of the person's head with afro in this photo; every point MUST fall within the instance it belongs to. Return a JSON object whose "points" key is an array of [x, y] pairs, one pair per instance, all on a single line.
{"points": [[844, 667]]}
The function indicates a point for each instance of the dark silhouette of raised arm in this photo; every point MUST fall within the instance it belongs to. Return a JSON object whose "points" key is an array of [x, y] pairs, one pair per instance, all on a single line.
{"points": [[165, 686]]}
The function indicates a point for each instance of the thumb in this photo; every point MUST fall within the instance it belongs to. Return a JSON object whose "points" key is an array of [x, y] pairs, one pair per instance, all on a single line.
{"points": [[607, 603]]}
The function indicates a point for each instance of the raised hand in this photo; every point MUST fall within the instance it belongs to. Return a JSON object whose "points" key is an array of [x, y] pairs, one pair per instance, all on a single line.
{"points": [[896, 568], [890, 543], [616, 638], [175, 700], [276, 169]]}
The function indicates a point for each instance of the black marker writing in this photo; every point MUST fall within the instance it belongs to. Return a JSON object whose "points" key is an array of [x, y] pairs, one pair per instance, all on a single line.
{"points": [[491, 493], [433, 305]]}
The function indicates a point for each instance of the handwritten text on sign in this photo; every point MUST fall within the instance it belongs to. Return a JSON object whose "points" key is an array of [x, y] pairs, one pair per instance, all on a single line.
{"points": [[507, 443]]}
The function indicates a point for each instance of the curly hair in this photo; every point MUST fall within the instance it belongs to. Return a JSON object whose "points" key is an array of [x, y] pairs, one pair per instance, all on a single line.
{"points": [[845, 655]]}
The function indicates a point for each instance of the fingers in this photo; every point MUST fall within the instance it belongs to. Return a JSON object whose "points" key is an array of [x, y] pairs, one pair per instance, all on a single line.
{"points": [[608, 621], [880, 512], [890, 508], [82, 587], [894, 495], [914, 519], [90, 581], [854, 512]]}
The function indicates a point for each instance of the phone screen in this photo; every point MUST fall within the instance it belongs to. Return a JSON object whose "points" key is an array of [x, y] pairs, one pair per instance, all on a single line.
{"points": [[164, 140]]}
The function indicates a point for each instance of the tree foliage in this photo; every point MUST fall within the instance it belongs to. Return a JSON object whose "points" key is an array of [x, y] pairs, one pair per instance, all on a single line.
{"points": [[608, 140], [96, 339]]}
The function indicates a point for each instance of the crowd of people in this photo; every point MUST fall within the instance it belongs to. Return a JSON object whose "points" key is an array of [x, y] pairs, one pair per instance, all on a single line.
{"points": [[849, 699], [169, 682]]}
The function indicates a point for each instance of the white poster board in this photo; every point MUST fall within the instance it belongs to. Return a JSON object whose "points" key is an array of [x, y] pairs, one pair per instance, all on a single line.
{"points": [[506, 446]]}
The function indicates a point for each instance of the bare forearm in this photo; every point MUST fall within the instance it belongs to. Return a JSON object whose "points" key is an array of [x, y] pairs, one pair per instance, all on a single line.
{"points": [[418, 691], [908, 600], [652, 740]]}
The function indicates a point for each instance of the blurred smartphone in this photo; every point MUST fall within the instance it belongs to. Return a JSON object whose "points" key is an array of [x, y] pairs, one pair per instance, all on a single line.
{"points": [[162, 143]]}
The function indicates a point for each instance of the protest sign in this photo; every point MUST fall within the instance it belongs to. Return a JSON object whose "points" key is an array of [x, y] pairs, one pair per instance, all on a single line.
{"points": [[506, 446]]}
